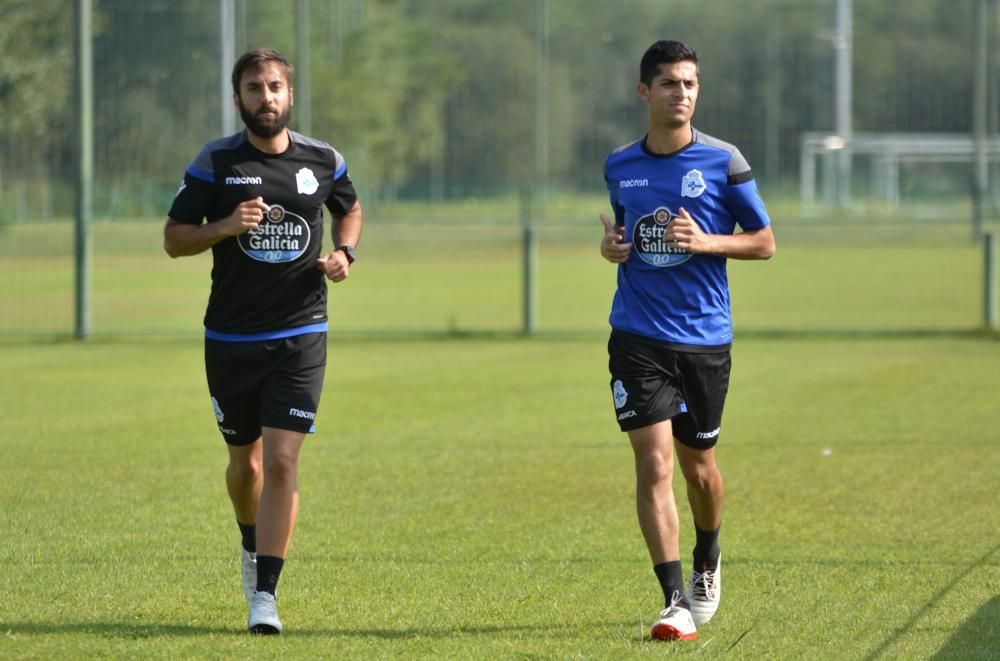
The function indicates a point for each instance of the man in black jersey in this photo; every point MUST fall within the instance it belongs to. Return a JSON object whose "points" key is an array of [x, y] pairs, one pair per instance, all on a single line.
{"points": [[262, 193]]}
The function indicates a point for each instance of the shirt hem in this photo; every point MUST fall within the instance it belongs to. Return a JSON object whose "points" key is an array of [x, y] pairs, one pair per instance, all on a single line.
{"points": [[266, 335], [673, 346]]}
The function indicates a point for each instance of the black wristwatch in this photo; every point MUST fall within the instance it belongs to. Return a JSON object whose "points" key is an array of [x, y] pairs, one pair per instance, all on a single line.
{"points": [[349, 251]]}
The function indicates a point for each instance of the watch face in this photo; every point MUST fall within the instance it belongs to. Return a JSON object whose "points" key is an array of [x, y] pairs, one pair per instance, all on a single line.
{"points": [[349, 251]]}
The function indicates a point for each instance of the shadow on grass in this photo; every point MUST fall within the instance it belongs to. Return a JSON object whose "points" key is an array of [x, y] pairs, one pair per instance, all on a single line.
{"points": [[141, 631], [110, 629], [973, 636], [560, 630], [978, 638]]}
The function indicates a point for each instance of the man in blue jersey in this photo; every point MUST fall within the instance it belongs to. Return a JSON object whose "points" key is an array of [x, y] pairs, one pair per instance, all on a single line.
{"points": [[678, 196], [262, 192]]}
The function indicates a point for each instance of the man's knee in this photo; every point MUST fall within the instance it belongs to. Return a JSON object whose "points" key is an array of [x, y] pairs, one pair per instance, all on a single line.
{"points": [[700, 470], [654, 468], [245, 469], [705, 480], [280, 469]]}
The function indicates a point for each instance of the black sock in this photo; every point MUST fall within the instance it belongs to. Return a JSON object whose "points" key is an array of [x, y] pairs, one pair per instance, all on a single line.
{"points": [[249, 533], [706, 549], [671, 579], [268, 571]]}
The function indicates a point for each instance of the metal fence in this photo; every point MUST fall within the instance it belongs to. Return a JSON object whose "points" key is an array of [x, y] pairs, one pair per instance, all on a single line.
{"points": [[470, 118]]}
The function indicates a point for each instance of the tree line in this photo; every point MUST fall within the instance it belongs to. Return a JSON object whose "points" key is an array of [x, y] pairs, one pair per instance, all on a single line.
{"points": [[441, 99]]}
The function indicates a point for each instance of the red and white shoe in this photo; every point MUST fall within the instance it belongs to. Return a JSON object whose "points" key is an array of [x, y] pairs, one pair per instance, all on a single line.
{"points": [[704, 593], [675, 622]]}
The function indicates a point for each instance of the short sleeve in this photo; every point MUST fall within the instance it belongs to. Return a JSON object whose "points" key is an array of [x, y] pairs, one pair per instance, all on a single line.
{"points": [[742, 196], [342, 195], [192, 200]]}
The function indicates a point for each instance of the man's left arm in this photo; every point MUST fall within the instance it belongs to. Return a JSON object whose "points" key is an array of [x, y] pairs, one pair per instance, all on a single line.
{"points": [[684, 232], [346, 232], [742, 199]]}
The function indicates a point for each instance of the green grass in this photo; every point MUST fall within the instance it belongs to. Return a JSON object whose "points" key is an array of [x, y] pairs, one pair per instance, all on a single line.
{"points": [[468, 494], [472, 498], [439, 277]]}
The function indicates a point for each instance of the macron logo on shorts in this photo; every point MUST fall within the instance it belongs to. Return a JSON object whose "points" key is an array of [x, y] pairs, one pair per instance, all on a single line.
{"points": [[299, 413], [707, 435]]}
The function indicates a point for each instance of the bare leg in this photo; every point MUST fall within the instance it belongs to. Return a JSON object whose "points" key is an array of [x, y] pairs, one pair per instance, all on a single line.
{"points": [[654, 495], [705, 493], [279, 499], [705, 489], [244, 480]]}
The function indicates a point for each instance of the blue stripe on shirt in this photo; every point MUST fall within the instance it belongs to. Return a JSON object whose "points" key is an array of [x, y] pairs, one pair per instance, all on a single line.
{"points": [[267, 335], [204, 175]]}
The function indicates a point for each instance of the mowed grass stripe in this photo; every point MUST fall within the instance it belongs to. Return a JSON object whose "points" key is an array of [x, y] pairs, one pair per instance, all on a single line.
{"points": [[473, 498], [461, 279]]}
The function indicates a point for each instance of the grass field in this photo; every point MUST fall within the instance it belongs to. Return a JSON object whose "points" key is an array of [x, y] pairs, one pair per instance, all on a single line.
{"points": [[448, 278], [471, 498], [468, 494]]}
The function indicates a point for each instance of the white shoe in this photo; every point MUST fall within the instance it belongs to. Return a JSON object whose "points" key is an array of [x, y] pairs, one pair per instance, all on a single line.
{"points": [[704, 593], [263, 618], [248, 570], [675, 622]]}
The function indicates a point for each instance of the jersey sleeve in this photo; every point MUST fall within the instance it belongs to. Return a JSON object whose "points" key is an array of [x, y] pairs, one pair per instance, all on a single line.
{"points": [[342, 196], [618, 209], [191, 203], [742, 197]]}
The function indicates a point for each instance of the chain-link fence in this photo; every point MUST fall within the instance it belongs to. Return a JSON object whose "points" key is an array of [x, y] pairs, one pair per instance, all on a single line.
{"points": [[462, 120]]}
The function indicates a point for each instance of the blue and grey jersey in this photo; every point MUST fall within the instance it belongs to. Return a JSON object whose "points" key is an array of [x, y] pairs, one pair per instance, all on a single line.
{"points": [[265, 283], [664, 293]]}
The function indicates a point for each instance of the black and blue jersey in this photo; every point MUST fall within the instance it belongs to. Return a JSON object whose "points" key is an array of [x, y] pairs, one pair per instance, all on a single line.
{"points": [[665, 293], [265, 283]]}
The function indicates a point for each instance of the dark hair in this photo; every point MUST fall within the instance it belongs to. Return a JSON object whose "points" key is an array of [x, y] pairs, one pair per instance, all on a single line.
{"points": [[664, 52], [252, 60]]}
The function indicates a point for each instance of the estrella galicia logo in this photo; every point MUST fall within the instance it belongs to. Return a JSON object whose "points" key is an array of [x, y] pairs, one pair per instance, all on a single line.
{"points": [[282, 237], [621, 395], [693, 184], [648, 240]]}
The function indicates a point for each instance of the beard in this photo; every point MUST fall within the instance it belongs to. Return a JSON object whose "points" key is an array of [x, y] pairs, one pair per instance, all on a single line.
{"points": [[264, 127]]}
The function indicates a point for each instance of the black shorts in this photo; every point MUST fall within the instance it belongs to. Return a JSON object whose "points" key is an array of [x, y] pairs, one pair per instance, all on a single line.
{"points": [[274, 383], [652, 382]]}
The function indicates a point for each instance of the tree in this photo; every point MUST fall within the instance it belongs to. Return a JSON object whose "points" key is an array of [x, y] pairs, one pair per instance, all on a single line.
{"points": [[35, 89], [382, 96]]}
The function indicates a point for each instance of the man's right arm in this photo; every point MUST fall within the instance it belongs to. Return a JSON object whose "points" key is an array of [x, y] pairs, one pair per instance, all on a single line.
{"points": [[614, 247], [183, 239]]}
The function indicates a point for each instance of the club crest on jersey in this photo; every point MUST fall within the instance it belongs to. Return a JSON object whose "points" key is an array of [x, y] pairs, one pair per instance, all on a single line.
{"points": [[649, 240], [306, 182], [693, 184], [283, 238]]}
